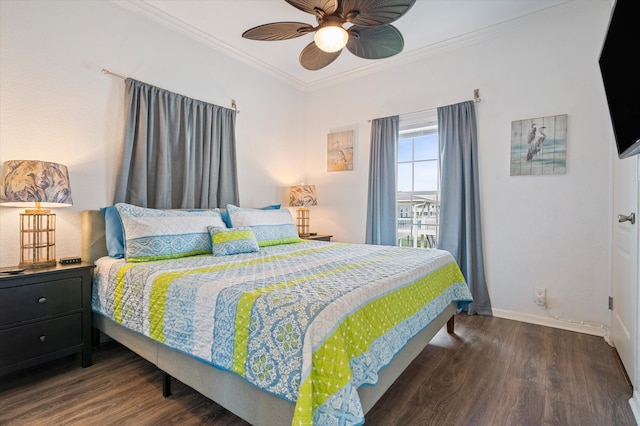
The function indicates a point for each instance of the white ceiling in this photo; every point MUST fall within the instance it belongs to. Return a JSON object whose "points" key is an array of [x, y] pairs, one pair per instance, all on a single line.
{"points": [[426, 26]]}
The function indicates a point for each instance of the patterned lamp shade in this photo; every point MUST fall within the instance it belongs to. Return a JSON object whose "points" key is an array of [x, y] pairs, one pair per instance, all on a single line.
{"points": [[43, 185], [303, 196], [29, 182]]}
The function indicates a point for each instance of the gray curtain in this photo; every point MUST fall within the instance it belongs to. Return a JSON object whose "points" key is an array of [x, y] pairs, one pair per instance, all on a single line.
{"points": [[381, 205], [460, 231], [178, 152]]}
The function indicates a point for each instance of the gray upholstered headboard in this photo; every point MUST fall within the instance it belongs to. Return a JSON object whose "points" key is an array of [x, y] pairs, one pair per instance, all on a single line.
{"points": [[94, 242]]}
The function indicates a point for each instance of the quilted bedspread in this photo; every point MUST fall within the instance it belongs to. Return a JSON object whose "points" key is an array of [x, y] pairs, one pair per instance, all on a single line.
{"points": [[309, 322]]}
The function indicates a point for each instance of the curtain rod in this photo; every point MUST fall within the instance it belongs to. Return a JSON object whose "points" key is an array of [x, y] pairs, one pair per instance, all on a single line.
{"points": [[476, 99], [105, 71]]}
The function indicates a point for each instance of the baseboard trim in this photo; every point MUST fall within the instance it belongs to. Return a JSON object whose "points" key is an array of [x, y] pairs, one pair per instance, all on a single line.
{"points": [[634, 402], [549, 322]]}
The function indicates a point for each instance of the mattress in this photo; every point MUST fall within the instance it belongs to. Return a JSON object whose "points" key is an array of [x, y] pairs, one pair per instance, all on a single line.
{"points": [[309, 322]]}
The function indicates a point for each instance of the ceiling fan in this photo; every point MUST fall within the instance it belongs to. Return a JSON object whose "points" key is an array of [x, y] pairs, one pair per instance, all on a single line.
{"points": [[369, 35]]}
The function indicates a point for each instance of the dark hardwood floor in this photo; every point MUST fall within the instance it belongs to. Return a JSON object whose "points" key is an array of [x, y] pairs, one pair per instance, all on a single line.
{"points": [[491, 372]]}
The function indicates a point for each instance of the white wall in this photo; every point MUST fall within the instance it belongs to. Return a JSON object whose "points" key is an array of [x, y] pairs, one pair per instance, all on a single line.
{"points": [[547, 231], [55, 104]]}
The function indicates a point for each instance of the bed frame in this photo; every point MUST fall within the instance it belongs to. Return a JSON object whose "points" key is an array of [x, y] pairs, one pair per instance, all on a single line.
{"points": [[225, 388]]}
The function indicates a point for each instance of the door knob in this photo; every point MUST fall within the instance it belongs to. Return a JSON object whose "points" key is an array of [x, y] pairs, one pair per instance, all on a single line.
{"points": [[631, 218]]}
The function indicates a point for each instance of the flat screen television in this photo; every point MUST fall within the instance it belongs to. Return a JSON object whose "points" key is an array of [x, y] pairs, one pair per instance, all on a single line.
{"points": [[620, 69]]}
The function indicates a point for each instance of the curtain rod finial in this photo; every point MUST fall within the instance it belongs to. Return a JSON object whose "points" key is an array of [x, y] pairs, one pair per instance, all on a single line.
{"points": [[476, 95]]}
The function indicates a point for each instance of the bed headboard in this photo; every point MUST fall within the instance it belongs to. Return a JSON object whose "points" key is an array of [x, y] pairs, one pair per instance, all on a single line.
{"points": [[94, 242]]}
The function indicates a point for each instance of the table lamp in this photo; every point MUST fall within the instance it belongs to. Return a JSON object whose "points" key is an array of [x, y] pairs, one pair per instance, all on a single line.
{"points": [[302, 196], [43, 185]]}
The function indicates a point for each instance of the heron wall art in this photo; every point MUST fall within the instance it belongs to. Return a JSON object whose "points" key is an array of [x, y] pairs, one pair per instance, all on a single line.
{"points": [[539, 146]]}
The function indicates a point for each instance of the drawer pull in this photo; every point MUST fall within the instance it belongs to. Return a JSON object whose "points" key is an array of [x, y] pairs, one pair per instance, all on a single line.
{"points": [[42, 338], [42, 300]]}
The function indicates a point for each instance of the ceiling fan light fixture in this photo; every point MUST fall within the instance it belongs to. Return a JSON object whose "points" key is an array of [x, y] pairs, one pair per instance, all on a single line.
{"points": [[331, 38], [368, 32]]}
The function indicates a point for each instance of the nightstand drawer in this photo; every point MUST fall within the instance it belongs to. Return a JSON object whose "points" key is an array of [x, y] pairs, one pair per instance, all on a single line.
{"points": [[28, 302], [41, 338]]}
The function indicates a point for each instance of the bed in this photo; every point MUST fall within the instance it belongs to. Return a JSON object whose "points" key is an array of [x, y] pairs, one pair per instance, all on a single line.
{"points": [[275, 356]]}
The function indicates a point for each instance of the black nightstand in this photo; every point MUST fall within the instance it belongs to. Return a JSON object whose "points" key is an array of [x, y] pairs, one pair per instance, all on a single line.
{"points": [[45, 313], [318, 237]]}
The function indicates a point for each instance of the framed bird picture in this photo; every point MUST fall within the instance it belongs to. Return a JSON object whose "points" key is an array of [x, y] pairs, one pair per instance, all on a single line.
{"points": [[340, 151], [539, 146]]}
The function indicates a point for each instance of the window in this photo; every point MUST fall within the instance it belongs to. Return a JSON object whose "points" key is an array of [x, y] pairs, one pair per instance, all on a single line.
{"points": [[418, 196]]}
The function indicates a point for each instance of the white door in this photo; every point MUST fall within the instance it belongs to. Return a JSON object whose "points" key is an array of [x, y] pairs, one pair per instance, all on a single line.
{"points": [[624, 322]]}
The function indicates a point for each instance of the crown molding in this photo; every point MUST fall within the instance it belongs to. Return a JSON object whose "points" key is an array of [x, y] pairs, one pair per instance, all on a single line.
{"points": [[426, 52], [405, 58], [410, 57], [174, 23]]}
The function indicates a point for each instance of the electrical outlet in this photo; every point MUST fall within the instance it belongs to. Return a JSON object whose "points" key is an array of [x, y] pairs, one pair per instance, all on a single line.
{"points": [[540, 296]]}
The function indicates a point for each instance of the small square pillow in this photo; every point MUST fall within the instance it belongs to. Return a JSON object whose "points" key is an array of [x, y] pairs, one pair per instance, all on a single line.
{"points": [[153, 234], [272, 227], [226, 241]]}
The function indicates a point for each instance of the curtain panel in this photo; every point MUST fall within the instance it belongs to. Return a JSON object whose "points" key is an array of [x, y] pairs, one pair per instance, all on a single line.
{"points": [[178, 152], [381, 204], [460, 230]]}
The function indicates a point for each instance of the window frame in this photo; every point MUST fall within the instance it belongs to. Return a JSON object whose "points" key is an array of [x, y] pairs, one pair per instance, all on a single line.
{"points": [[413, 126]]}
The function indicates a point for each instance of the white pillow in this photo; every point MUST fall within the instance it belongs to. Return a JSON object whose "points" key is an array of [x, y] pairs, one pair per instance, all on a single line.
{"points": [[153, 234], [272, 227]]}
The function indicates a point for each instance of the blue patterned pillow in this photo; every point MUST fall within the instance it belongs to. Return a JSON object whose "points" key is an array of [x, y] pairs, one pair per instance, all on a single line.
{"points": [[152, 234], [272, 227], [225, 241]]}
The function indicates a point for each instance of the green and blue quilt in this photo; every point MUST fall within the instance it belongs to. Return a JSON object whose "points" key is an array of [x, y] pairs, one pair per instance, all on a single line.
{"points": [[308, 322]]}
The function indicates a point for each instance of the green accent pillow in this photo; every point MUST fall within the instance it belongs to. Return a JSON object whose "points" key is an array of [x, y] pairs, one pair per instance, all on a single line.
{"points": [[226, 241]]}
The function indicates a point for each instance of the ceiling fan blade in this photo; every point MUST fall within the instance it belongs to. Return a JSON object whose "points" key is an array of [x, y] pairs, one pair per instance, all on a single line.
{"points": [[375, 42], [312, 58], [309, 6], [374, 12], [278, 31]]}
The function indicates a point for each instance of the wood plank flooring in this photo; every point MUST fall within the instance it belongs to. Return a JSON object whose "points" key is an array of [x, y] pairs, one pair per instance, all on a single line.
{"points": [[491, 372]]}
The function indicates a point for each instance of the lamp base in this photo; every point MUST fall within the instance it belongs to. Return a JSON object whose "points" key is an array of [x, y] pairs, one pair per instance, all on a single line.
{"points": [[302, 222], [36, 265], [37, 239]]}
